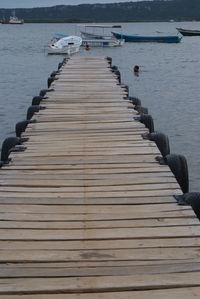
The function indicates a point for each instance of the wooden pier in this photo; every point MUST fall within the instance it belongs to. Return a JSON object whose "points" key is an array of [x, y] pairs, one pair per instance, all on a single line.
{"points": [[86, 212]]}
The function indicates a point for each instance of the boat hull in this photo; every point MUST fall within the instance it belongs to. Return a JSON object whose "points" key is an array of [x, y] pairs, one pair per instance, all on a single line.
{"points": [[187, 32], [63, 51], [67, 46], [143, 39], [102, 42]]}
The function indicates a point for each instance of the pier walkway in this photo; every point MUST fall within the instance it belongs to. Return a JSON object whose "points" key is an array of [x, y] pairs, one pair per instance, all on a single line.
{"points": [[85, 211]]}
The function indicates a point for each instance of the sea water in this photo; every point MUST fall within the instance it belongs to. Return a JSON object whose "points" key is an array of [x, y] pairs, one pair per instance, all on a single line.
{"points": [[168, 82]]}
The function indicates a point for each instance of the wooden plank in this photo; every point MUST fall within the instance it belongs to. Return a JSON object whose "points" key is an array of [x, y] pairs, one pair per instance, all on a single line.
{"points": [[86, 208], [176, 243], [99, 224], [99, 284], [178, 293], [88, 234], [16, 256]]}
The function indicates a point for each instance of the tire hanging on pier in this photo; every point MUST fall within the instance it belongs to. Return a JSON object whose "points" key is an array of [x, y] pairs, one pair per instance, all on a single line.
{"points": [[36, 100], [31, 110], [193, 198], [44, 91], [147, 120], [21, 127], [178, 166], [8, 143], [162, 142]]}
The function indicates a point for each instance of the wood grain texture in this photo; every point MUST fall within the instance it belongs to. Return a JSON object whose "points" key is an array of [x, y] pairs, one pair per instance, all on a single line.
{"points": [[86, 211]]}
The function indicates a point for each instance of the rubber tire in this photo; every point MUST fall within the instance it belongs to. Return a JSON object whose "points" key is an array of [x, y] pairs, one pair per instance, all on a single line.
{"points": [[147, 120], [117, 73], [193, 198], [114, 68], [162, 142], [53, 74], [135, 101], [21, 127], [31, 110], [50, 81], [36, 100], [141, 110], [8, 143], [44, 91], [126, 89], [178, 166], [60, 65], [109, 60]]}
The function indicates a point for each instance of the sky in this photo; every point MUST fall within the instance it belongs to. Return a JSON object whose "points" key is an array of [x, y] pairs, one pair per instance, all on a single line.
{"points": [[36, 3]]}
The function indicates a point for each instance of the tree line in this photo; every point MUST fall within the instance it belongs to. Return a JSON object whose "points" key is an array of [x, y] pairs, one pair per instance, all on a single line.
{"points": [[144, 11]]}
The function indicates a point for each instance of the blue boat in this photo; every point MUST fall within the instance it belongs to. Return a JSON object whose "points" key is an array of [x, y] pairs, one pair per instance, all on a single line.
{"points": [[139, 38]]}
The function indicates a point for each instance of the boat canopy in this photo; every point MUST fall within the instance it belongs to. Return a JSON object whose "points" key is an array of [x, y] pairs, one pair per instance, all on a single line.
{"points": [[59, 35]]}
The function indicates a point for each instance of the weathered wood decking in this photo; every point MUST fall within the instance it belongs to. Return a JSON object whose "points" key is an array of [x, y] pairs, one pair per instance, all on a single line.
{"points": [[87, 209]]}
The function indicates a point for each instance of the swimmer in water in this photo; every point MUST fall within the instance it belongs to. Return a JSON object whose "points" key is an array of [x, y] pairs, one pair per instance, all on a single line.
{"points": [[87, 47], [136, 69]]}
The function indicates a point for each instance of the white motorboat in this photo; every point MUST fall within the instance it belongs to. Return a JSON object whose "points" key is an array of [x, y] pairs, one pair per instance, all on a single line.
{"points": [[66, 45]]}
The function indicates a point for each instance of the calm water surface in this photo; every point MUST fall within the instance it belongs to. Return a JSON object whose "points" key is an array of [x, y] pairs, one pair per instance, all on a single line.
{"points": [[168, 83]]}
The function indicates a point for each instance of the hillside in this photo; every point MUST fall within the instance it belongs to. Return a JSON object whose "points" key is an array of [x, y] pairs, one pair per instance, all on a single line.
{"points": [[178, 10]]}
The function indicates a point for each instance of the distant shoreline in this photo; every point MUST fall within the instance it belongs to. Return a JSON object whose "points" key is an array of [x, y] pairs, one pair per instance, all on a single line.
{"points": [[124, 12], [90, 22]]}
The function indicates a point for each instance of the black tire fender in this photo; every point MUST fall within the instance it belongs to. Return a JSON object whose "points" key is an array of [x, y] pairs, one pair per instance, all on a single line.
{"points": [[162, 142], [141, 110], [117, 73], [193, 198], [60, 65], [36, 100], [55, 73], [114, 68], [109, 60], [179, 167], [135, 101], [21, 127], [147, 120], [8, 143], [44, 91], [50, 81], [31, 110]]}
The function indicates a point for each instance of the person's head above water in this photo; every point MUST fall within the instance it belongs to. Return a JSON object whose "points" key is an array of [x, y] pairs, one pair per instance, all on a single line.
{"points": [[136, 68]]}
